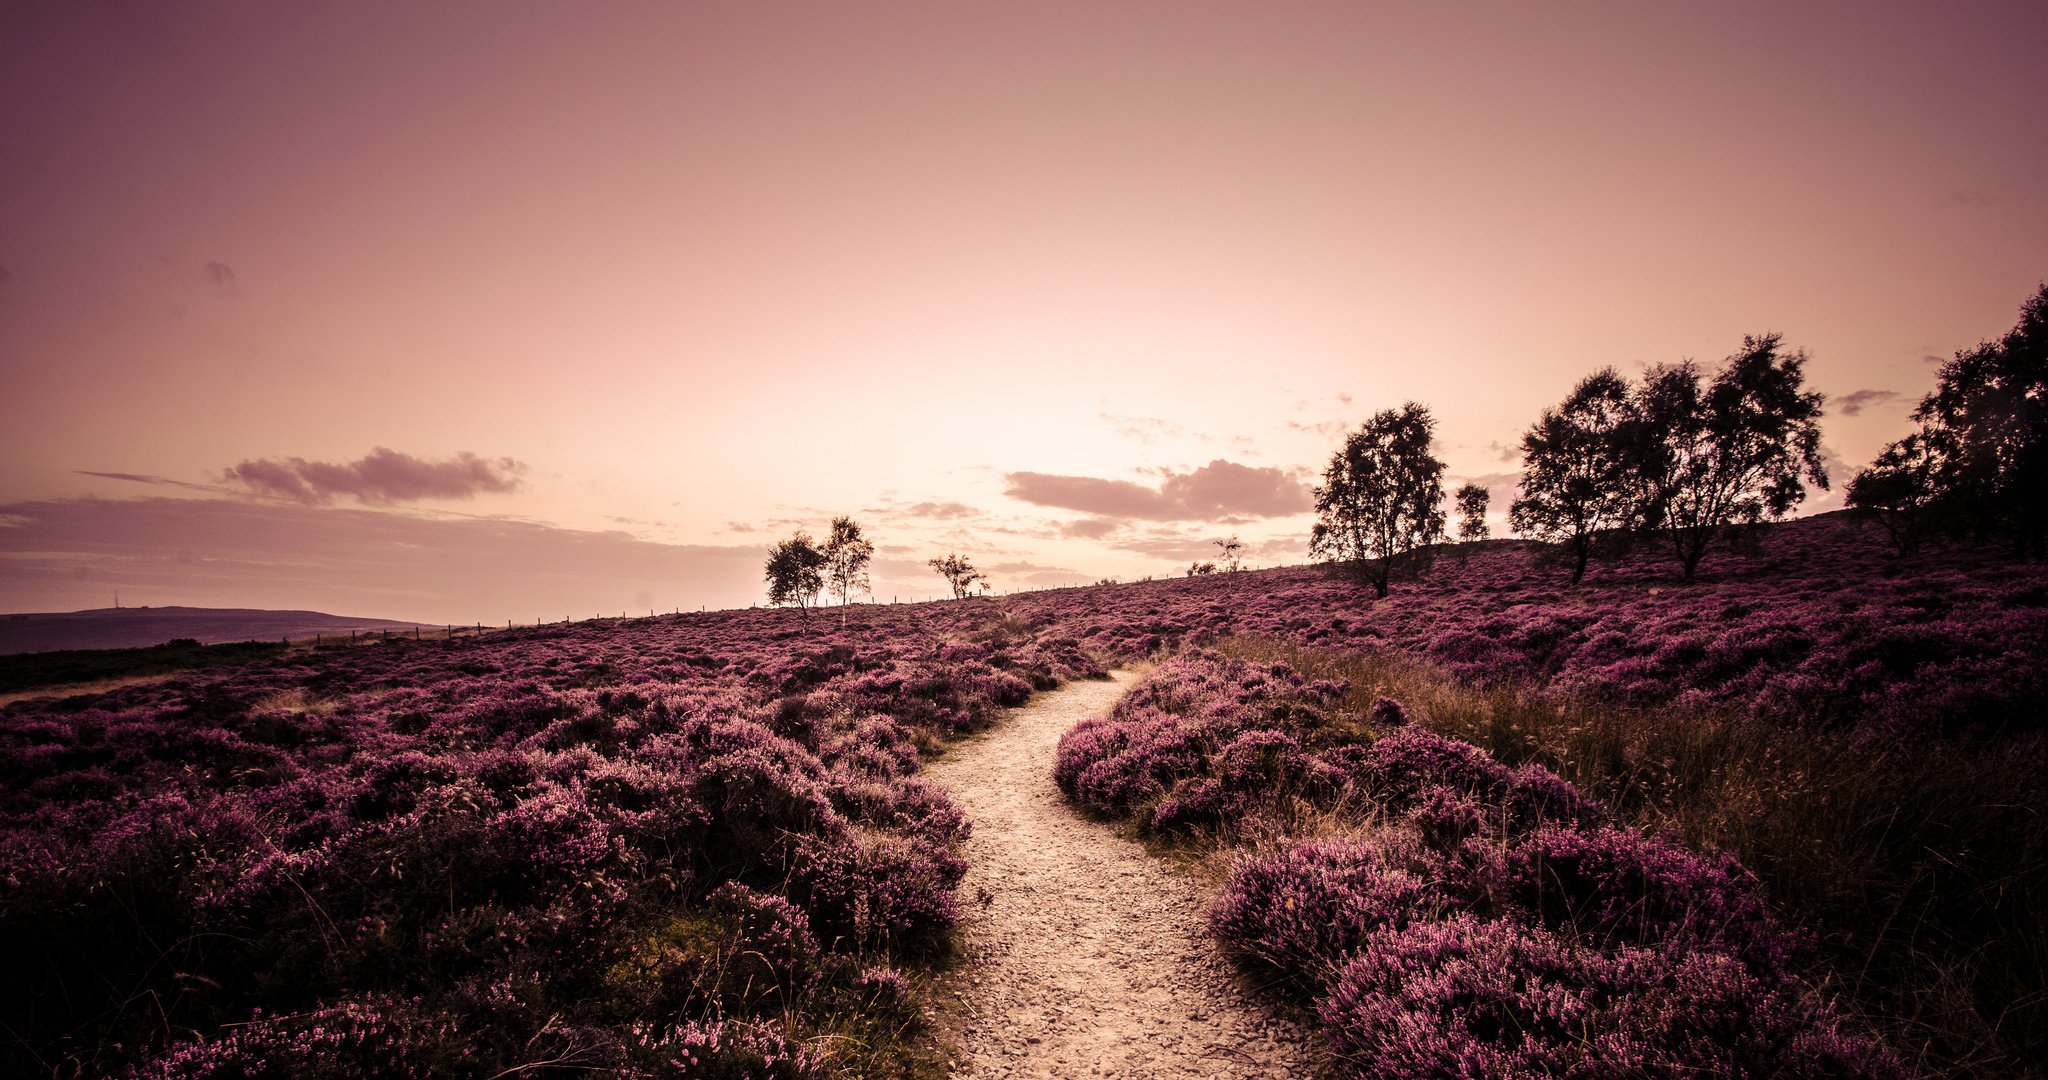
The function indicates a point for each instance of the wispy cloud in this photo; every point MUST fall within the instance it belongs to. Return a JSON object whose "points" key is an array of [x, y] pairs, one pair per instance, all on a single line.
{"points": [[381, 477], [1218, 489], [60, 554], [1853, 404]]}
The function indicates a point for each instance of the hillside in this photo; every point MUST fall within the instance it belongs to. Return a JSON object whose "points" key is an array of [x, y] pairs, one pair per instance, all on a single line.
{"points": [[131, 628], [618, 845]]}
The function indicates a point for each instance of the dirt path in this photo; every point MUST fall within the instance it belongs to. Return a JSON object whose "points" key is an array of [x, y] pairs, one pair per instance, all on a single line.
{"points": [[1089, 957]]}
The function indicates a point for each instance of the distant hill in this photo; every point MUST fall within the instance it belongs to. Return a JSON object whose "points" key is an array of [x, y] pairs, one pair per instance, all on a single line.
{"points": [[129, 628]]}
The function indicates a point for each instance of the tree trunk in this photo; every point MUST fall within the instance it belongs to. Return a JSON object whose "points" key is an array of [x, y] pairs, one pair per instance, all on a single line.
{"points": [[1579, 567]]}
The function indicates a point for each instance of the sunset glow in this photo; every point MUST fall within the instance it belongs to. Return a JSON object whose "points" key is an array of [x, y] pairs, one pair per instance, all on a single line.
{"points": [[466, 312]]}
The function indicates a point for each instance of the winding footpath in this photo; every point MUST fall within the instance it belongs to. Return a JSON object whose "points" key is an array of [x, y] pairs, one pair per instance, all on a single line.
{"points": [[1086, 957]]}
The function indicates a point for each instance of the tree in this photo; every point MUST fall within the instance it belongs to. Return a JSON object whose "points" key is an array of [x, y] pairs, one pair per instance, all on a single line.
{"points": [[1382, 496], [1472, 500], [1196, 569], [847, 554], [1986, 424], [1576, 462], [795, 573], [959, 573], [1232, 557], [1898, 489], [1730, 453]]}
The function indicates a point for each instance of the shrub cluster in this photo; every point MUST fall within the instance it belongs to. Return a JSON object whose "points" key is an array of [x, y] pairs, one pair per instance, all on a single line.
{"points": [[1473, 919], [686, 846], [1820, 622]]}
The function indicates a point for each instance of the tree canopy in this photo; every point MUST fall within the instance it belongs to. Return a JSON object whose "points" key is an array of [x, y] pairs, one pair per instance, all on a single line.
{"points": [[847, 554], [1381, 499], [959, 573], [1984, 435], [1576, 464], [1730, 451], [795, 572]]}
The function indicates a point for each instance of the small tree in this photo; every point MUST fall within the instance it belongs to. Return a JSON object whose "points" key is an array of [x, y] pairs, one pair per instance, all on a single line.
{"points": [[847, 554], [1898, 489], [1576, 464], [1382, 496], [796, 573], [1199, 569], [959, 573], [1730, 453], [1472, 501], [1987, 425], [1232, 558]]}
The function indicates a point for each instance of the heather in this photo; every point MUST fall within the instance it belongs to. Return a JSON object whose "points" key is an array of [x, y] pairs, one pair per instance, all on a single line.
{"points": [[680, 846], [1813, 621], [1445, 913]]}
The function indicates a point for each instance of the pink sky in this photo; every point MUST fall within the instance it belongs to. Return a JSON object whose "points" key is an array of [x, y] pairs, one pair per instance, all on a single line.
{"points": [[465, 312]]}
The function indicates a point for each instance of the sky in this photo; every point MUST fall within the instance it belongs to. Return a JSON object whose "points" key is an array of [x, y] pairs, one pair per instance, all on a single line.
{"points": [[467, 312]]}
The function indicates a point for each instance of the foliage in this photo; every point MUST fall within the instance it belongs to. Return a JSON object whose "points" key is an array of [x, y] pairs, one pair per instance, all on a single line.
{"points": [[795, 572], [959, 573], [1577, 487], [611, 847], [1472, 500], [1729, 453], [1230, 554], [847, 554], [1479, 918], [29, 671], [1381, 497], [1898, 489], [1983, 441]]}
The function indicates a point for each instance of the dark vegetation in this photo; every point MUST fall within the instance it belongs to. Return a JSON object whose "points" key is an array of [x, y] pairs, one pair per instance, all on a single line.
{"points": [[33, 671], [1978, 465], [689, 844], [1865, 733]]}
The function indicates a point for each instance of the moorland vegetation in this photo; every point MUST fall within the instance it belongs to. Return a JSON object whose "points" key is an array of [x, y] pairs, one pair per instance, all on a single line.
{"points": [[1590, 803]]}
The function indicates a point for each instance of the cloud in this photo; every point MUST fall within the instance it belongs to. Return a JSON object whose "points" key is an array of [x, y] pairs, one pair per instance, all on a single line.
{"points": [[220, 275], [1503, 451], [1090, 528], [159, 481], [64, 554], [741, 527], [1854, 404], [943, 511], [379, 478], [1217, 489], [1328, 429]]}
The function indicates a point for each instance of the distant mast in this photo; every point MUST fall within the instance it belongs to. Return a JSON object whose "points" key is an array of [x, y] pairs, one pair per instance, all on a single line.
{"points": [[117, 599]]}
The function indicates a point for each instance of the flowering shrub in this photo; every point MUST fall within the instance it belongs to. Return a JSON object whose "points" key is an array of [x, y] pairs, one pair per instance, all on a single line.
{"points": [[1299, 912], [1820, 621], [545, 839], [1463, 997], [1493, 921]]}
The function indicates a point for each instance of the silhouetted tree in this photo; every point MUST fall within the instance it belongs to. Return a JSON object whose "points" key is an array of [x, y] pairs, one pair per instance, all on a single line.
{"points": [[847, 554], [1196, 569], [1232, 553], [1898, 489], [796, 572], [1472, 500], [1731, 452], [1382, 496], [959, 573], [1576, 460], [1986, 426]]}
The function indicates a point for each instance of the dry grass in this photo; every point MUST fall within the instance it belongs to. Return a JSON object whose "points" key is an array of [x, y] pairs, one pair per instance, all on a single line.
{"points": [[1923, 869]]}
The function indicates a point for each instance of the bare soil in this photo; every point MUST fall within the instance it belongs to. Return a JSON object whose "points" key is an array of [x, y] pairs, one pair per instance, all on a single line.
{"points": [[1084, 955]]}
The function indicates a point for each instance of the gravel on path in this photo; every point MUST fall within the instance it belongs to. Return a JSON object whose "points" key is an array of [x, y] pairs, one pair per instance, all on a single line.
{"points": [[1084, 955]]}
